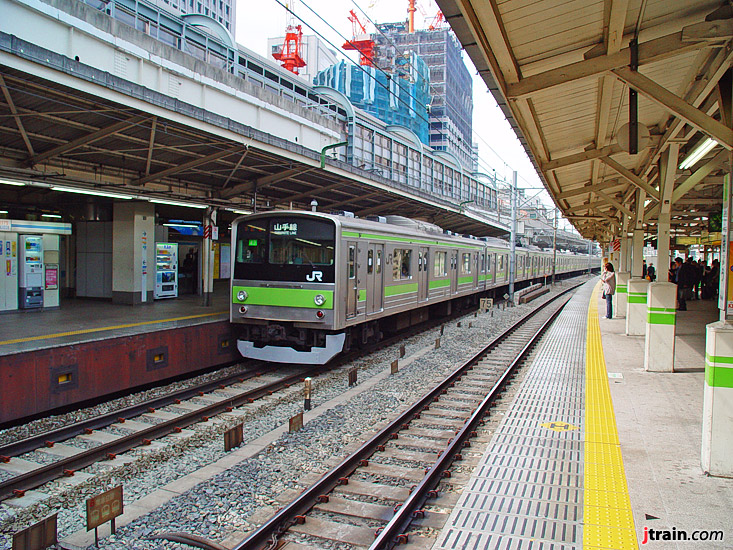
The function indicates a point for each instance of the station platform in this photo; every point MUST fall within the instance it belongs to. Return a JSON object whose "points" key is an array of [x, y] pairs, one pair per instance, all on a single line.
{"points": [[83, 320], [594, 451], [89, 349]]}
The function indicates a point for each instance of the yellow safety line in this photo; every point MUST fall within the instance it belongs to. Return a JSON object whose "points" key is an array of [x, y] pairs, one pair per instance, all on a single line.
{"points": [[88, 330], [607, 519]]}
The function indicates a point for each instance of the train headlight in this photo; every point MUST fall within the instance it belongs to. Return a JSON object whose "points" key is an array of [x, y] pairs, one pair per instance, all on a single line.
{"points": [[319, 299], [241, 295]]}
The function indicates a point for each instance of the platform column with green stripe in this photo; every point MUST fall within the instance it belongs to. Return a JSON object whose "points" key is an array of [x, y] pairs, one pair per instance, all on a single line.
{"points": [[636, 307], [661, 327], [717, 428], [620, 298]]}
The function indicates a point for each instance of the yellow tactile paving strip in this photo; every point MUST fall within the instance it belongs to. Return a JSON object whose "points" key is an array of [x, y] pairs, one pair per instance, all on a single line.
{"points": [[607, 519], [102, 329]]}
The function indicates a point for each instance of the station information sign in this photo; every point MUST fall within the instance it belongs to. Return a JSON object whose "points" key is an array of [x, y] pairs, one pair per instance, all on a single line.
{"points": [[104, 508]]}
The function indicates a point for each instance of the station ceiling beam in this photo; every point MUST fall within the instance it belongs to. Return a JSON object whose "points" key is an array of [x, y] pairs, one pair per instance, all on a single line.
{"points": [[631, 177], [677, 105], [16, 116], [87, 139], [649, 52], [187, 165]]}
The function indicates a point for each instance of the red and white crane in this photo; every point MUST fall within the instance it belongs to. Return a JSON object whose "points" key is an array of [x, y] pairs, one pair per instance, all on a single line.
{"points": [[361, 41]]}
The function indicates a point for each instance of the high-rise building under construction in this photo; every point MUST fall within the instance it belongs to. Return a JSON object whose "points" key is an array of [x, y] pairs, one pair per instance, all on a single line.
{"points": [[451, 87]]}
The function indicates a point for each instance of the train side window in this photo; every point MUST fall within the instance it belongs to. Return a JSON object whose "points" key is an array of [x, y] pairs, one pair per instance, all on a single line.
{"points": [[439, 268], [483, 262], [379, 262], [401, 268], [488, 263], [419, 261], [352, 262], [466, 264], [370, 262]]}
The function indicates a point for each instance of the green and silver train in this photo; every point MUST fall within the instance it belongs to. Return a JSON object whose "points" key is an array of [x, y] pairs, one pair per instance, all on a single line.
{"points": [[306, 286]]}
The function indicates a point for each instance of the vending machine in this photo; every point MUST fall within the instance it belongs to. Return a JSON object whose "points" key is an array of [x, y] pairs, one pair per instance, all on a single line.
{"points": [[30, 271], [8, 271], [166, 270]]}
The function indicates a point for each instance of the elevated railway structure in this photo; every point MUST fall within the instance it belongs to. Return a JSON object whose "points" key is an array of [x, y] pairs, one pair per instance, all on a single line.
{"points": [[124, 99]]}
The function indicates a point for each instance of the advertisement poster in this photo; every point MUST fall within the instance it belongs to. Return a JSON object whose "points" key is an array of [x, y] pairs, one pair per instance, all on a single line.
{"points": [[52, 276], [216, 260]]}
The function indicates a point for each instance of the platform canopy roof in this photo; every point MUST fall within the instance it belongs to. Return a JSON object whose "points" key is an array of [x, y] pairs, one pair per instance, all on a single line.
{"points": [[563, 70]]}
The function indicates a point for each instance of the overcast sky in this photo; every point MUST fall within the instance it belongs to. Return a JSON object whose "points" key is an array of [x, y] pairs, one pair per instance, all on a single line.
{"points": [[499, 148]]}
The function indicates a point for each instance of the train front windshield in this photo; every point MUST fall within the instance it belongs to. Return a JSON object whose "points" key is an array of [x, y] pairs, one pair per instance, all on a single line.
{"points": [[286, 249]]}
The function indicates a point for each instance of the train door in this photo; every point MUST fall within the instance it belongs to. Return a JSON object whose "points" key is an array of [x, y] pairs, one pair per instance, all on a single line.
{"points": [[351, 281], [476, 266], [422, 274], [375, 278], [453, 271]]}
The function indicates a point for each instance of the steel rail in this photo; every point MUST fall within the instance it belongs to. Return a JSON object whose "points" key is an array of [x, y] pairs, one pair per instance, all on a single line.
{"points": [[279, 523], [67, 466], [44, 474], [66, 432], [389, 535]]}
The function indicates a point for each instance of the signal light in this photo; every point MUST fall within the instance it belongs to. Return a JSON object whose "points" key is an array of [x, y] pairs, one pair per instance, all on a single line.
{"points": [[320, 314], [242, 309]]}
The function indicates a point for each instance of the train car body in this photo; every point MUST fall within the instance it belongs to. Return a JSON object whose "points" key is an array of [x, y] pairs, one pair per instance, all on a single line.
{"points": [[306, 285]]}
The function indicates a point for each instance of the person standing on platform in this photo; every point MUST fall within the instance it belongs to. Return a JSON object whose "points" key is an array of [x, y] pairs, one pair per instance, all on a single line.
{"points": [[608, 278], [651, 273], [685, 278]]}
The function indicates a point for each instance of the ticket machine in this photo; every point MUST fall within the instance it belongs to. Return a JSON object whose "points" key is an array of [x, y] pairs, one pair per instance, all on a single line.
{"points": [[30, 271]]}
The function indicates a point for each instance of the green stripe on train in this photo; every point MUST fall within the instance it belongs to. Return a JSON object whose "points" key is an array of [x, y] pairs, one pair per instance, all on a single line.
{"points": [[396, 290], [439, 283], [282, 297], [362, 295], [357, 235], [467, 279]]}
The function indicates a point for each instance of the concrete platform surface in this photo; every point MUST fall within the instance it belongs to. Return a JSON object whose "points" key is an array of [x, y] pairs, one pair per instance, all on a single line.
{"points": [[85, 320], [659, 420]]}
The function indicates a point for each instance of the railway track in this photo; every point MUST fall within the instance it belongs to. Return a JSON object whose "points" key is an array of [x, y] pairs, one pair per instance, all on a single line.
{"points": [[377, 497], [183, 409], [79, 445]]}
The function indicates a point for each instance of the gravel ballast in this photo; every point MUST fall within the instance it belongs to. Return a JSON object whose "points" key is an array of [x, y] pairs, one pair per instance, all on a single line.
{"points": [[223, 504]]}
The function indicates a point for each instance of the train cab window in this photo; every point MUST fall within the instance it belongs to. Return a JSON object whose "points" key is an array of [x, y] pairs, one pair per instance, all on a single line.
{"points": [[401, 264], [379, 262], [370, 262], [352, 261], [439, 265], [285, 248], [251, 244], [466, 263]]}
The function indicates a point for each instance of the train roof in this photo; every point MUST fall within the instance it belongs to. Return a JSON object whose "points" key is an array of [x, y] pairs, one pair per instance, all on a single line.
{"points": [[389, 225]]}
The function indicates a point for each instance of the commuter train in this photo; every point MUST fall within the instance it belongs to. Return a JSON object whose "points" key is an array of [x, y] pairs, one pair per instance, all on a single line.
{"points": [[306, 286]]}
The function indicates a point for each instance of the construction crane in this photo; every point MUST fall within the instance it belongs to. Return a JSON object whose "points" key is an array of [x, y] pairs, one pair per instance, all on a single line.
{"points": [[289, 53], [361, 41], [437, 21]]}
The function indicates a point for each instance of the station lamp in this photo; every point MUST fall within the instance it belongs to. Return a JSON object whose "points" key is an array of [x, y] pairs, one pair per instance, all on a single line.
{"points": [[702, 149]]}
